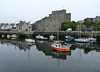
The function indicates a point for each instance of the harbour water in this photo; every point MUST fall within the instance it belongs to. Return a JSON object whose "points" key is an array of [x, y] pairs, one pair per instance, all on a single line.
{"points": [[19, 56]]}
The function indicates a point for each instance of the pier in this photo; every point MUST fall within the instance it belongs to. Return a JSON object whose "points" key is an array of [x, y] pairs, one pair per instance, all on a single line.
{"points": [[32, 34], [46, 33]]}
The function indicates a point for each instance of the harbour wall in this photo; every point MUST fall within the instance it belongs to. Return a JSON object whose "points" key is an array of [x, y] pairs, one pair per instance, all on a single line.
{"points": [[60, 33]]}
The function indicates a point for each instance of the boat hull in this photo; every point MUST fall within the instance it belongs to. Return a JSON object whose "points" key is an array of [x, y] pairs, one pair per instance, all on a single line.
{"points": [[59, 49], [30, 40], [81, 40]]}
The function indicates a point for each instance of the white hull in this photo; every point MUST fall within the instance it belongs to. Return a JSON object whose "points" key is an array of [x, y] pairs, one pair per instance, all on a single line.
{"points": [[92, 39], [13, 36], [8, 36], [39, 37], [30, 40], [81, 40], [51, 37], [3, 35]]}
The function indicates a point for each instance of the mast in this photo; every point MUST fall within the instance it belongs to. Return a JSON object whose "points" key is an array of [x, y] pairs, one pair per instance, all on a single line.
{"points": [[57, 35]]}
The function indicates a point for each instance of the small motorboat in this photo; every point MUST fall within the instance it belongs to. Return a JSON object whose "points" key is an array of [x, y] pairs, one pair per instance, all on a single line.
{"points": [[13, 36], [8, 36], [82, 40], [39, 37], [3, 36], [51, 37], [60, 46], [30, 40], [68, 37], [92, 39]]}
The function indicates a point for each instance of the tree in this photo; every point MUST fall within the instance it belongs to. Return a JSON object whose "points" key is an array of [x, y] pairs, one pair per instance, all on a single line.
{"points": [[69, 24], [87, 23]]}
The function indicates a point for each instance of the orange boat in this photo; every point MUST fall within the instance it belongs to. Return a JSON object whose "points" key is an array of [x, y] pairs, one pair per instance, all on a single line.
{"points": [[60, 46], [63, 52]]}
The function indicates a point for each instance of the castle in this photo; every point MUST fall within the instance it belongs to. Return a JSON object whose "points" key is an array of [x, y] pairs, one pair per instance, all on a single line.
{"points": [[53, 22]]}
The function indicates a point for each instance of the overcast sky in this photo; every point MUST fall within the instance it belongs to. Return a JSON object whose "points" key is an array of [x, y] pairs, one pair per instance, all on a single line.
{"points": [[12, 11]]}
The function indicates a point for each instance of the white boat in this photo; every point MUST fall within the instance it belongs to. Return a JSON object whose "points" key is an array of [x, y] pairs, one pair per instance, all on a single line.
{"points": [[13, 36], [92, 39], [82, 40], [51, 37], [3, 36], [30, 40], [8, 36], [39, 37]]}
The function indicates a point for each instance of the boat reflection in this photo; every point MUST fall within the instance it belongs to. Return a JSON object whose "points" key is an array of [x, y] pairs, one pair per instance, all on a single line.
{"points": [[87, 47], [60, 54]]}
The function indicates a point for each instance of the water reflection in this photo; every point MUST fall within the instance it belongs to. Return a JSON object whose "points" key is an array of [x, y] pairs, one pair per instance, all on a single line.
{"points": [[22, 45], [45, 47], [87, 47]]}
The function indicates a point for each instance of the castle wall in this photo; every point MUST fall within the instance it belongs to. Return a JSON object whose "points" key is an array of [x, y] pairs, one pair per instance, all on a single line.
{"points": [[53, 22]]}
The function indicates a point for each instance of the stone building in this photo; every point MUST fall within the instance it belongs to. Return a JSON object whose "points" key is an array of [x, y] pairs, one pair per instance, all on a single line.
{"points": [[6, 26], [22, 26], [96, 19], [91, 19], [53, 21]]}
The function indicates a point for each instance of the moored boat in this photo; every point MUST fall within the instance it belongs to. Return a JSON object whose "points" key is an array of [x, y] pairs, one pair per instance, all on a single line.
{"points": [[51, 37], [68, 37], [13, 36], [39, 37], [60, 46], [92, 39], [8, 36], [82, 40], [30, 40]]}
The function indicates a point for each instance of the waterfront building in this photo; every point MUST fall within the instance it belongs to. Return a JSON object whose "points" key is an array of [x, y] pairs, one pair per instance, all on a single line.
{"points": [[96, 19], [53, 21], [6, 27], [90, 19], [24, 27]]}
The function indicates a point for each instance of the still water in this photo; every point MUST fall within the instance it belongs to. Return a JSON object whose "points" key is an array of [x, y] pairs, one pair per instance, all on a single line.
{"points": [[19, 56]]}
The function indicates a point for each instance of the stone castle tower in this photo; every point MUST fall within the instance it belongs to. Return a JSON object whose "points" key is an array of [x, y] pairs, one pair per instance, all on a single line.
{"points": [[53, 22]]}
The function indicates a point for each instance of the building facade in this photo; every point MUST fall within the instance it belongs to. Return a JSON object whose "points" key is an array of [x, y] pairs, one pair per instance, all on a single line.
{"points": [[24, 27], [96, 19], [53, 22]]}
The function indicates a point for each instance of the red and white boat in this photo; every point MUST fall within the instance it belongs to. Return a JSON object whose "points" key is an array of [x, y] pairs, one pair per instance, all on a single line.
{"points": [[61, 46]]}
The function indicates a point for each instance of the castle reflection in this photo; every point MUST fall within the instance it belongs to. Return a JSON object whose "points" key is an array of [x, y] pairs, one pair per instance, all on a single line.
{"points": [[45, 47]]}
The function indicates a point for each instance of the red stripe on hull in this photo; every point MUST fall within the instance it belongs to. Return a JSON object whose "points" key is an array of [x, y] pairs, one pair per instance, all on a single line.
{"points": [[59, 49]]}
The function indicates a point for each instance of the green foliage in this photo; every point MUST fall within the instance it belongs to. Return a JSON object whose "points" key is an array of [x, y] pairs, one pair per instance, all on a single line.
{"points": [[94, 25], [69, 24], [73, 24], [87, 23]]}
